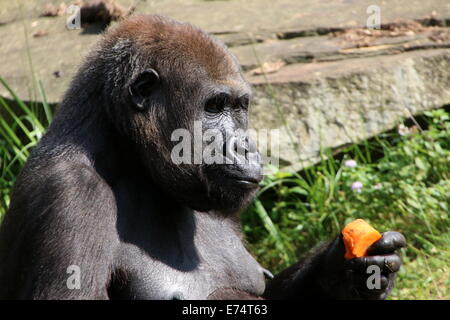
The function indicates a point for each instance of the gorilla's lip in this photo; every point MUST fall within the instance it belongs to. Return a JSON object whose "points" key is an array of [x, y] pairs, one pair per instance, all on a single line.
{"points": [[247, 181]]}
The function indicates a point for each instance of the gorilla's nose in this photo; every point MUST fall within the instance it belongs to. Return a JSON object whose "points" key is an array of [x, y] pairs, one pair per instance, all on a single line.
{"points": [[242, 152]]}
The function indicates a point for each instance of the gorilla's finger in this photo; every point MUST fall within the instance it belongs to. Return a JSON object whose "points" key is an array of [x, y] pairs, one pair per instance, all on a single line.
{"points": [[389, 242], [387, 263]]}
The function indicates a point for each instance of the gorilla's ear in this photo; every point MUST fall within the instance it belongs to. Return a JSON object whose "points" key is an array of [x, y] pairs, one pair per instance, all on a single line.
{"points": [[142, 87]]}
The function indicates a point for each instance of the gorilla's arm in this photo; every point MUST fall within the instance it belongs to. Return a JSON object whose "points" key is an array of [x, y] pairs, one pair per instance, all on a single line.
{"points": [[299, 281], [69, 222], [325, 274]]}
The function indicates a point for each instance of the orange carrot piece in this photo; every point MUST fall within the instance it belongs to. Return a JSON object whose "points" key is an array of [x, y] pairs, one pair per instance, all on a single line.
{"points": [[358, 236]]}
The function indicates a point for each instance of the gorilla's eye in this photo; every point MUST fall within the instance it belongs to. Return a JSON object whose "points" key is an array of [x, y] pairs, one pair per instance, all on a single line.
{"points": [[216, 104]]}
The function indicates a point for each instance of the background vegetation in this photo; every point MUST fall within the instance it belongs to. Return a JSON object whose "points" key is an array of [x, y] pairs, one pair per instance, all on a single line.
{"points": [[399, 180]]}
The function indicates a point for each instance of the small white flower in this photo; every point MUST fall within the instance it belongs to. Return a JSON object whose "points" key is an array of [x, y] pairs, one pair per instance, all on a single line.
{"points": [[350, 163], [377, 186], [357, 186], [403, 130]]}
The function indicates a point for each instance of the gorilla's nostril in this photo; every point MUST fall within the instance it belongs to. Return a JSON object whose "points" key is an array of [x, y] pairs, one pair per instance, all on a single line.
{"points": [[239, 148], [242, 146], [230, 149], [251, 146]]}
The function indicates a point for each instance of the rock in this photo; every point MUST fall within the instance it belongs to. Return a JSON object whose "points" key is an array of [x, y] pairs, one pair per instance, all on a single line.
{"points": [[332, 104]]}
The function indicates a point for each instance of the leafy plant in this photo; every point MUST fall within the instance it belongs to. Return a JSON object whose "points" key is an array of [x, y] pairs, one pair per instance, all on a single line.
{"points": [[21, 127]]}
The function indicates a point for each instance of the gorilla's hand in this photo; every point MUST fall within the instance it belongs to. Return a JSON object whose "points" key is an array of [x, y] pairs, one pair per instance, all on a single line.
{"points": [[349, 279]]}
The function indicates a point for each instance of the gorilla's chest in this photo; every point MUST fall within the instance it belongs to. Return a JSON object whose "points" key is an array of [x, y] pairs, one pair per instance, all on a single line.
{"points": [[188, 259]]}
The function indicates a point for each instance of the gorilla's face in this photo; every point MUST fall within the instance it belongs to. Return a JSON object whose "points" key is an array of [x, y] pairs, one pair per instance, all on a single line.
{"points": [[201, 152], [232, 171], [187, 105]]}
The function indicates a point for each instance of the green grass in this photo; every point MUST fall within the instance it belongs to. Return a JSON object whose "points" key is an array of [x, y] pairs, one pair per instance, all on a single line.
{"points": [[21, 127], [406, 183]]}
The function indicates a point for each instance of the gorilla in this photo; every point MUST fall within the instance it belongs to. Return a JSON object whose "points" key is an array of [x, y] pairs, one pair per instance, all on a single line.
{"points": [[101, 210]]}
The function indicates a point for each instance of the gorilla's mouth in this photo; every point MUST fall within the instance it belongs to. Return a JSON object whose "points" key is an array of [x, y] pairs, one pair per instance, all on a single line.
{"points": [[231, 177], [248, 182], [245, 181]]}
